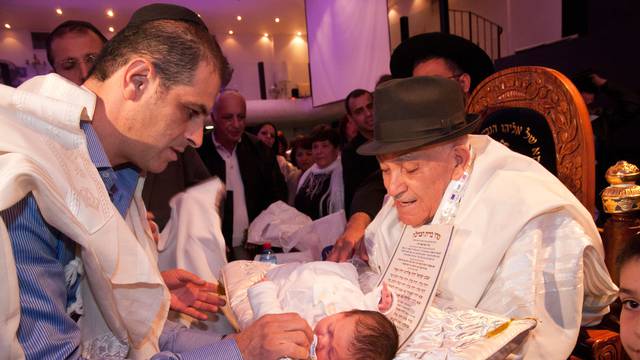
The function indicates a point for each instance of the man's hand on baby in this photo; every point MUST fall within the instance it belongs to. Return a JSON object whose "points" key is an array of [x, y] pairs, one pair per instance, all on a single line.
{"points": [[276, 336], [386, 299], [190, 294]]}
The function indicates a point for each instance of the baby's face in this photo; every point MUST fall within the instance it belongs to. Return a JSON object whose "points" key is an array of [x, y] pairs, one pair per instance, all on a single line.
{"points": [[335, 334], [630, 316]]}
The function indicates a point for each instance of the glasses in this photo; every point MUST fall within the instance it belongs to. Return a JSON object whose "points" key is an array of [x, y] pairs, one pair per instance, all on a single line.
{"points": [[454, 76], [72, 63]]}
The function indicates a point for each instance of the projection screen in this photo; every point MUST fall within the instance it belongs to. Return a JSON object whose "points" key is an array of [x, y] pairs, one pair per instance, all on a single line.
{"points": [[348, 46]]}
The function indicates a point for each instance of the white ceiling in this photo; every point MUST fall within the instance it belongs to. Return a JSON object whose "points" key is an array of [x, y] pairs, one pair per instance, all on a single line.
{"points": [[219, 15]]}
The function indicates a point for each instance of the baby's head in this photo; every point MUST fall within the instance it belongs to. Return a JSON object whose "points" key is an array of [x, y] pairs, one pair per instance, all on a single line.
{"points": [[628, 263], [357, 335]]}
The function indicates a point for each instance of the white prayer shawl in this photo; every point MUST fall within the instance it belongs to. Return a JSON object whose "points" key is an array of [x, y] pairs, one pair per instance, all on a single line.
{"points": [[336, 200], [192, 239], [518, 229], [43, 151]]}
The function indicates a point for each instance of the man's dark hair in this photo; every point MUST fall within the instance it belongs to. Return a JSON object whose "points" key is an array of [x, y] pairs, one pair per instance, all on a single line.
{"points": [[175, 48], [70, 26], [375, 337], [354, 94], [325, 133], [450, 63], [630, 251]]}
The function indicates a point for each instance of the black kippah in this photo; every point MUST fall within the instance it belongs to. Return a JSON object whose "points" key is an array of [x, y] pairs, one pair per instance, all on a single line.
{"points": [[164, 12]]}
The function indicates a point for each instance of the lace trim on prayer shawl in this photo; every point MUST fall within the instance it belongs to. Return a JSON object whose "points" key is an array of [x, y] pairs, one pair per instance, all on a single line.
{"points": [[105, 347], [453, 195], [73, 272]]}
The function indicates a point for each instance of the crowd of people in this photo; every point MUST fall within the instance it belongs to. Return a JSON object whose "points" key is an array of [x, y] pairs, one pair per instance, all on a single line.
{"points": [[92, 154]]}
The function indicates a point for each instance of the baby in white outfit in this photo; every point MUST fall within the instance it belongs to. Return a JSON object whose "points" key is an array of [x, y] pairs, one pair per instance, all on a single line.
{"points": [[346, 321]]}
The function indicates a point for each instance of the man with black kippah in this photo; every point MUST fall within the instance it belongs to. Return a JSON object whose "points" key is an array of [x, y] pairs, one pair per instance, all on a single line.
{"points": [[442, 55], [74, 239]]}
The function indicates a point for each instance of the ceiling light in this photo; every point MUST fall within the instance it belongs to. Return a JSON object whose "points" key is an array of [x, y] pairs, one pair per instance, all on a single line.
{"points": [[208, 127], [200, 16], [239, 17], [111, 29], [266, 35], [277, 20], [230, 32], [7, 26], [110, 13], [59, 11], [299, 33]]}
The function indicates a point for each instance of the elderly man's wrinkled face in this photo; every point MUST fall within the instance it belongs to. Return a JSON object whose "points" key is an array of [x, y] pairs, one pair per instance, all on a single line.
{"points": [[229, 118], [74, 54], [417, 180]]}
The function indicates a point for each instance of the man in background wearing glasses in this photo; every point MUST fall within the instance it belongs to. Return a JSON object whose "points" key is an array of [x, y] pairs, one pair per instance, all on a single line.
{"points": [[72, 48]]}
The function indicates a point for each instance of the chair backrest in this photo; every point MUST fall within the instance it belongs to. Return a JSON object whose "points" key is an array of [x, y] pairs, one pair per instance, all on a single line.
{"points": [[538, 112]]}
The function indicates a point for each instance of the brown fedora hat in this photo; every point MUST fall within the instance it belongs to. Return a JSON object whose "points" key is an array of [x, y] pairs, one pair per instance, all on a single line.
{"points": [[417, 111]]}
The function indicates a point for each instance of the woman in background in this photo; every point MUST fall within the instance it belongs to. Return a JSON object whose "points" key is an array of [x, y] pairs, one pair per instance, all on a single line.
{"points": [[320, 189], [267, 133]]}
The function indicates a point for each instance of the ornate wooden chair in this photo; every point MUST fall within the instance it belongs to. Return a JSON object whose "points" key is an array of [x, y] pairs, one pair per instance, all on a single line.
{"points": [[538, 112]]}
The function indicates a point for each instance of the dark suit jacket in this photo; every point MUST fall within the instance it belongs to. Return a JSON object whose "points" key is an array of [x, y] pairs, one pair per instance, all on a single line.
{"points": [[263, 182], [158, 189], [363, 186]]}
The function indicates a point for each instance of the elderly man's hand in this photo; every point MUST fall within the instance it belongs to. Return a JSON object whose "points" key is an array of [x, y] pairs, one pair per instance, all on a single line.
{"points": [[276, 336], [190, 294], [351, 240]]}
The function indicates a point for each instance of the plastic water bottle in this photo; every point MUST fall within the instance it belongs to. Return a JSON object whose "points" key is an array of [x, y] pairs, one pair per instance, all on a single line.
{"points": [[267, 254]]}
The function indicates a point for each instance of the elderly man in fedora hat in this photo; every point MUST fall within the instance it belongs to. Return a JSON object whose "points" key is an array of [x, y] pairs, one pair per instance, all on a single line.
{"points": [[430, 54], [522, 246]]}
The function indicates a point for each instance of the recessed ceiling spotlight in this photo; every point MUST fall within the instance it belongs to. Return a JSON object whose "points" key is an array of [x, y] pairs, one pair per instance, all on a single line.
{"points": [[200, 16], [238, 17], [299, 33], [266, 35], [110, 13], [7, 26], [58, 11], [276, 20], [111, 29], [230, 32]]}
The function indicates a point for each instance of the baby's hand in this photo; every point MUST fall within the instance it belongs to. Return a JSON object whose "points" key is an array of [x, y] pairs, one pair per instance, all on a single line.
{"points": [[386, 299]]}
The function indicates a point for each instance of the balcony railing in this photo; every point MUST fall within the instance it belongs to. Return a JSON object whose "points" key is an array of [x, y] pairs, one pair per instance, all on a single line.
{"points": [[480, 30]]}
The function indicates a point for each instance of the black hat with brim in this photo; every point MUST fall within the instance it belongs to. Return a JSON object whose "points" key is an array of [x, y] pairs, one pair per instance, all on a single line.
{"points": [[468, 56]]}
